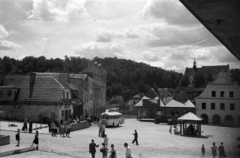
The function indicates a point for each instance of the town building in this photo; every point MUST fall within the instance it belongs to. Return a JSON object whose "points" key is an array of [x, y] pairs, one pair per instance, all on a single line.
{"points": [[99, 86], [133, 101], [38, 97], [219, 103]]}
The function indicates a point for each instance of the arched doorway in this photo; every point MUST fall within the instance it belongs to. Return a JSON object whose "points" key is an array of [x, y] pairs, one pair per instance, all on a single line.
{"points": [[229, 119], [216, 119], [205, 119]]}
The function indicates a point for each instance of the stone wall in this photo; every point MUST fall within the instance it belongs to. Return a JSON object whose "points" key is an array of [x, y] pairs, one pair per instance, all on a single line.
{"points": [[21, 111], [79, 126]]}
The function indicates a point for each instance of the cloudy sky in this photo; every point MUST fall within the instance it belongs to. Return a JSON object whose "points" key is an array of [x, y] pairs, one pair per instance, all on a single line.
{"points": [[161, 33]]}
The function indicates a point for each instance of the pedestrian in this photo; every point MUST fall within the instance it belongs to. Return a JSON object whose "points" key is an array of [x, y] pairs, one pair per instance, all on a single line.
{"points": [[35, 141], [203, 151], [100, 130], [135, 137], [221, 151], [214, 150], [18, 138], [104, 151], [61, 129], [53, 127], [92, 148], [25, 127], [30, 126], [103, 130], [68, 129], [49, 126], [170, 130], [128, 150], [113, 152], [106, 140]]}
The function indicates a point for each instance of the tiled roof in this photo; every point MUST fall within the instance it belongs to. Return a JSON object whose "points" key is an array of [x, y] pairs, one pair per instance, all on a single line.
{"points": [[83, 76], [19, 81], [151, 93], [190, 117], [47, 88], [166, 100], [206, 70]]}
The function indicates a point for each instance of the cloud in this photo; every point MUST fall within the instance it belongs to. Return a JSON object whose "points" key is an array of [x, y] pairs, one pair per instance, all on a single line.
{"points": [[58, 10], [105, 35], [3, 32], [5, 44], [150, 56], [179, 55], [172, 35], [131, 33], [171, 11], [93, 49], [42, 42]]}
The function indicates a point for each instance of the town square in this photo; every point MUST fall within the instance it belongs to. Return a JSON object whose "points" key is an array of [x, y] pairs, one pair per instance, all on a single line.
{"points": [[120, 78]]}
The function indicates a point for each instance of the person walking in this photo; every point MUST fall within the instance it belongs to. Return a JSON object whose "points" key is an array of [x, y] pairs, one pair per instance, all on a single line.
{"points": [[113, 153], [18, 138], [30, 126], [35, 141], [221, 151], [104, 151], [135, 137], [100, 130], [53, 128], [170, 130], [68, 128], [128, 150], [203, 151], [105, 140], [25, 127], [92, 148], [214, 150], [103, 130]]}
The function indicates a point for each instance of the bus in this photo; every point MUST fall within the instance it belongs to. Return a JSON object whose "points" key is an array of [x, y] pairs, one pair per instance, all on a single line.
{"points": [[112, 118]]}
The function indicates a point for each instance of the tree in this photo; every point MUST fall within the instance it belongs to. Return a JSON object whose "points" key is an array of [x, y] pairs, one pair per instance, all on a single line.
{"points": [[235, 75], [184, 82], [198, 79]]}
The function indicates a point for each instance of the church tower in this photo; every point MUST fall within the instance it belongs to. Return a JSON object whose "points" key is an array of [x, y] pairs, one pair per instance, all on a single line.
{"points": [[194, 65]]}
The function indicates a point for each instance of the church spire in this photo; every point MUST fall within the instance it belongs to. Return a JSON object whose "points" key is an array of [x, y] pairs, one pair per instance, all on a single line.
{"points": [[194, 65]]}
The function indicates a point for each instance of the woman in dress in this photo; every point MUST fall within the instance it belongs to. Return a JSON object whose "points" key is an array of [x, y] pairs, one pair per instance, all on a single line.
{"points": [[35, 141]]}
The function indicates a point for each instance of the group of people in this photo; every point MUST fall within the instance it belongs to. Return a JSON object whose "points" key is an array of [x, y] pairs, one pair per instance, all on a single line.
{"points": [[35, 141], [101, 132], [113, 154], [25, 126], [214, 149], [64, 128], [104, 150]]}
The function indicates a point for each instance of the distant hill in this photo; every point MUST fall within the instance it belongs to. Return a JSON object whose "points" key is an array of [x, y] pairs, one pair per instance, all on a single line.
{"points": [[125, 77]]}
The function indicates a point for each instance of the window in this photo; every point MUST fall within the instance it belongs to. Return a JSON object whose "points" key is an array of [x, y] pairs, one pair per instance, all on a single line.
{"points": [[213, 93], [9, 93], [1, 94], [67, 95], [232, 106], [222, 93], [63, 95], [222, 106], [231, 94], [203, 105], [213, 106]]}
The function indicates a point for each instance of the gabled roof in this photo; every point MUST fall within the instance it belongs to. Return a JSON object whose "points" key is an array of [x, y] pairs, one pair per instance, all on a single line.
{"points": [[167, 100], [190, 117], [181, 97], [174, 103], [137, 96], [151, 94], [222, 78], [80, 76]]}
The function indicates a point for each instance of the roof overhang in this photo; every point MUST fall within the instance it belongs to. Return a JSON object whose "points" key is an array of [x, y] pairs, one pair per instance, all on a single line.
{"points": [[221, 18]]}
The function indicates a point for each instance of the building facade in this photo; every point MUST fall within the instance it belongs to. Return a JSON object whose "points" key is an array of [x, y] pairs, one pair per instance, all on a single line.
{"points": [[219, 103]]}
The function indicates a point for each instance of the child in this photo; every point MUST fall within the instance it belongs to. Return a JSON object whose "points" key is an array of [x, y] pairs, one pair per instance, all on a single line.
{"points": [[203, 151], [106, 140], [35, 141], [18, 137]]}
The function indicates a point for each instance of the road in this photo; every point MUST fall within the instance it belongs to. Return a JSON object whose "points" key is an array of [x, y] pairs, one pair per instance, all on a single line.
{"points": [[155, 141]]}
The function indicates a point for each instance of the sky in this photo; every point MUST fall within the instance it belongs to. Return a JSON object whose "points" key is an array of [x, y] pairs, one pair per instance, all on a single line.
{"points": [[161, 33]]}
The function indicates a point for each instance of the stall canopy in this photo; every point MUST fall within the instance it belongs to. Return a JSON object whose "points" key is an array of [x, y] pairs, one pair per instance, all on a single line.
{"points": [[190, 117]]}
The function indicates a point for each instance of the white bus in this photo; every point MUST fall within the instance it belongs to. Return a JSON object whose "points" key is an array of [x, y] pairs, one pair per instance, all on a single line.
{"points": [[112, 118]]}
